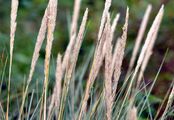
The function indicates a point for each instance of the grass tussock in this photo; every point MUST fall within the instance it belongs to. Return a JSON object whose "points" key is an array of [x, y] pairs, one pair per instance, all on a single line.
{"points": [[70, 99]]}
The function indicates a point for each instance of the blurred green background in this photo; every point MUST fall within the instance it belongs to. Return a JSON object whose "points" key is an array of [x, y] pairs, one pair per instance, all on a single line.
{"points": [[29, 19]]}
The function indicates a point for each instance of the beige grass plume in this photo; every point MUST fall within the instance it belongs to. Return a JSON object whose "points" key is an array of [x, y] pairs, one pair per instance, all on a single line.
{"points": [[109, 64], [73, 32], [146, 59], [97, 61], [148, 53], [108, 73], [139, 38], [72, 65], [13, 24], [119, 53], [150, 35], [38, 45], [52, 13]]}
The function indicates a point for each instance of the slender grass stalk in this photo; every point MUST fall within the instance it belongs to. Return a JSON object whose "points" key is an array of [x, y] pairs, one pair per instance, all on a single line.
{"points": [[13, 24], [139, 38], [52, 13], [31, 100], [70, 70]]}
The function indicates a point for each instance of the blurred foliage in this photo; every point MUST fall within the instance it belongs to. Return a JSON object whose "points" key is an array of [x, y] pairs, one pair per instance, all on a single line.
{"points": [[29, 19]]}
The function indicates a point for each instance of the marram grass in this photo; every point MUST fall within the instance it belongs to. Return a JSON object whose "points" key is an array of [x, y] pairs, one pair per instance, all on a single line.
{"points": [[70, 101]]}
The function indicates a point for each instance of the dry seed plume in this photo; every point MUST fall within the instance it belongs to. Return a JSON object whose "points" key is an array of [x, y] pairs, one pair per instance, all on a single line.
{"points": [[52, 13], [75, 17], [73, 32], [98, 58], [119, 53], [146, 58], [139, 38], [151, 32], [38, 45], [109, 64], [104, 15], [108, 73], [150, 35], [72, 64], [97, 61], [55, 100], [13, 24]]}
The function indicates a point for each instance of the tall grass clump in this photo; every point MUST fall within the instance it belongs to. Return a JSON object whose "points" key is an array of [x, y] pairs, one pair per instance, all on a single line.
{"points": [[99, 95]]}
